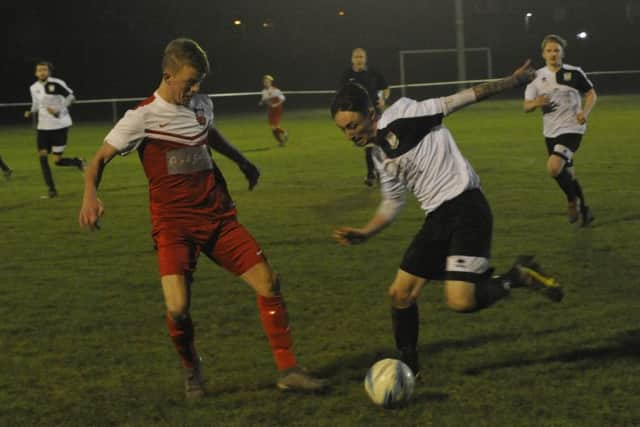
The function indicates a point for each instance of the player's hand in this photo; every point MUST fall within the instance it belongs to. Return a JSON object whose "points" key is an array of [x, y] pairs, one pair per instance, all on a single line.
{"points": [[349, 236], [53, 111], [544, 102], [27, 114], [525, 73], [90, 214], [581, 118], [251, 172]]}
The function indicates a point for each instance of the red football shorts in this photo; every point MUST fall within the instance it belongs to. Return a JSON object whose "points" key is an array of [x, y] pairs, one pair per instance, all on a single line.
{"points": [[274, 114], [226, 242]]}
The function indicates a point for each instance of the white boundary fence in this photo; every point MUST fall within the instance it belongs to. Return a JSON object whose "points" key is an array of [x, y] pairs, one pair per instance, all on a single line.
{"points": [[114, 101]]}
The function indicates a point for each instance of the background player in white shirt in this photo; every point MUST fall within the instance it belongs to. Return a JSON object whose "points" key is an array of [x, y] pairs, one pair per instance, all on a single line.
{"points": [[566, 97], [50, 100], [273, 98], [414, 151]]}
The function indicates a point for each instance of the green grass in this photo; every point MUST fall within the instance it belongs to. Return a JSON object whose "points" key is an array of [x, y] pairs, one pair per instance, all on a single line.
{"points": [[82, 336]]}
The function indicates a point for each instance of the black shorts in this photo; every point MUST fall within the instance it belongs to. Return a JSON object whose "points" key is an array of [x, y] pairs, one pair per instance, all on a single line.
{"points": [[564, 146], [454, 242], [54, 141]]}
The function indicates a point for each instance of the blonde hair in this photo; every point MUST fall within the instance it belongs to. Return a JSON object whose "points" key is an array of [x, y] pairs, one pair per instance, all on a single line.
{"points": [[184, 51], [555, 39], [268, 77]]}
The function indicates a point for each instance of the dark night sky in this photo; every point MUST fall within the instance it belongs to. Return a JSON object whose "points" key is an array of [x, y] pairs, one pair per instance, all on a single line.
{"points": [[113, 48]]}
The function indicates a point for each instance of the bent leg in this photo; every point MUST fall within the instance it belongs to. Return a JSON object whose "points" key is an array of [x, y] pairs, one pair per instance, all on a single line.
{"points": [[467, 297], [177, 296], [405, 317], [273, 313]]}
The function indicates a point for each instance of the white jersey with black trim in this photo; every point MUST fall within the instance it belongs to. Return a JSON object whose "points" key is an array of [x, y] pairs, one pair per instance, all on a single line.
{"points": [[565, 88], [157, 119], [53, 93], [415, 151]]}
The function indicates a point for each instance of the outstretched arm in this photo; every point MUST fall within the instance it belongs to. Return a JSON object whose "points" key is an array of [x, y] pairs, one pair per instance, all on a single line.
{"points": [[520, 77], [220, 144], [92, 208], [383, 217]]}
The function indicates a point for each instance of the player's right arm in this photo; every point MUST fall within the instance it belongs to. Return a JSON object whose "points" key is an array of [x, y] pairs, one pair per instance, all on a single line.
{"points": [[92, 208], [34, 105]]}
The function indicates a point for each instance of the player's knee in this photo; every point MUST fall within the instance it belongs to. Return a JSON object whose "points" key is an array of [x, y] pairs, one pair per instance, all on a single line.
{"points": [[555, 166], [460, 298], [269, 285], [401, 298], [553, 169], [43, 153]]}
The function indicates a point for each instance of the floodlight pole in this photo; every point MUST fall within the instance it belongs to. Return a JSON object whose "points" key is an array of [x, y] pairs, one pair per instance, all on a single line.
{"points": [[460, 54]]}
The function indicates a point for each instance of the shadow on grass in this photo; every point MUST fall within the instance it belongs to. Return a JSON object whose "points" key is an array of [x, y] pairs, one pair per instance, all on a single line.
{"points": [[626, 345], [353, 368], [611, 221]]}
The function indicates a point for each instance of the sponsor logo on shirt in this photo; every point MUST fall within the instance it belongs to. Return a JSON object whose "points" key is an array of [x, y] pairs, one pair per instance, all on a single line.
{"points": [[188, 160]]}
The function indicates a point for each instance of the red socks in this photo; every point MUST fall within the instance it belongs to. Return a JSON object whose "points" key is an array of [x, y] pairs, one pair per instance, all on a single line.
{"points": [[275, 321], [182, 334]]}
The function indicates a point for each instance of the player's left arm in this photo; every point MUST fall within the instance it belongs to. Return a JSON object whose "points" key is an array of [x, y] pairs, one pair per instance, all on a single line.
{"points": [[220, 144], [588, 102], [520, 77]]}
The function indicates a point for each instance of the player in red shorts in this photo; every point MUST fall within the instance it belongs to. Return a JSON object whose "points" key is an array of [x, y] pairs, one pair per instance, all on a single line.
{"points": [[191, 210], [273, 98]]}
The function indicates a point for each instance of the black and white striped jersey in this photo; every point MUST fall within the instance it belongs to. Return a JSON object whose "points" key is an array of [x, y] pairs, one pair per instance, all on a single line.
{"points": [[565, 88], [52, 93], [415, 151]]}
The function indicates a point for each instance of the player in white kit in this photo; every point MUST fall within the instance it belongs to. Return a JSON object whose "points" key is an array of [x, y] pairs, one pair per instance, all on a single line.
{"points": [[51, 98], [566, 97], [414, 151]]}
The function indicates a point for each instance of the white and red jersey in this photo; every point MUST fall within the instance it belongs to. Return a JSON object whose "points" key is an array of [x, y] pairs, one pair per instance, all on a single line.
{"points": [[172, 141], [272, 96]]}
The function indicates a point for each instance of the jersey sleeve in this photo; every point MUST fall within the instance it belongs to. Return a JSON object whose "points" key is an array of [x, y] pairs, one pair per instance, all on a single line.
{"points": [[67, 93], [128, 133], [583, 83], [35, 106], [530, 92], [391, 188]]}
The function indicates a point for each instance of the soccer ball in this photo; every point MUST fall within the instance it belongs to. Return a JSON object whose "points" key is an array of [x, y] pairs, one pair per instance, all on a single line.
{"points": [[389, 383]]}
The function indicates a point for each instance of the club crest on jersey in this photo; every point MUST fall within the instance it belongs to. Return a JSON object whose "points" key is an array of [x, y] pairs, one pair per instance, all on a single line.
{"points": [[392, 140], [51, 88], [567, 76]]}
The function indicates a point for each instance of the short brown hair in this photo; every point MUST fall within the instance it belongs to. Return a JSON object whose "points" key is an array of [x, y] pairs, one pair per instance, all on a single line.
{"points": [[183, 51], [555, 39]]}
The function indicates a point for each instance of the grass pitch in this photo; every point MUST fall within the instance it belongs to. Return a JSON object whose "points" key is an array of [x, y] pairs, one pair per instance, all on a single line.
{"points": [[84, 342]]}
